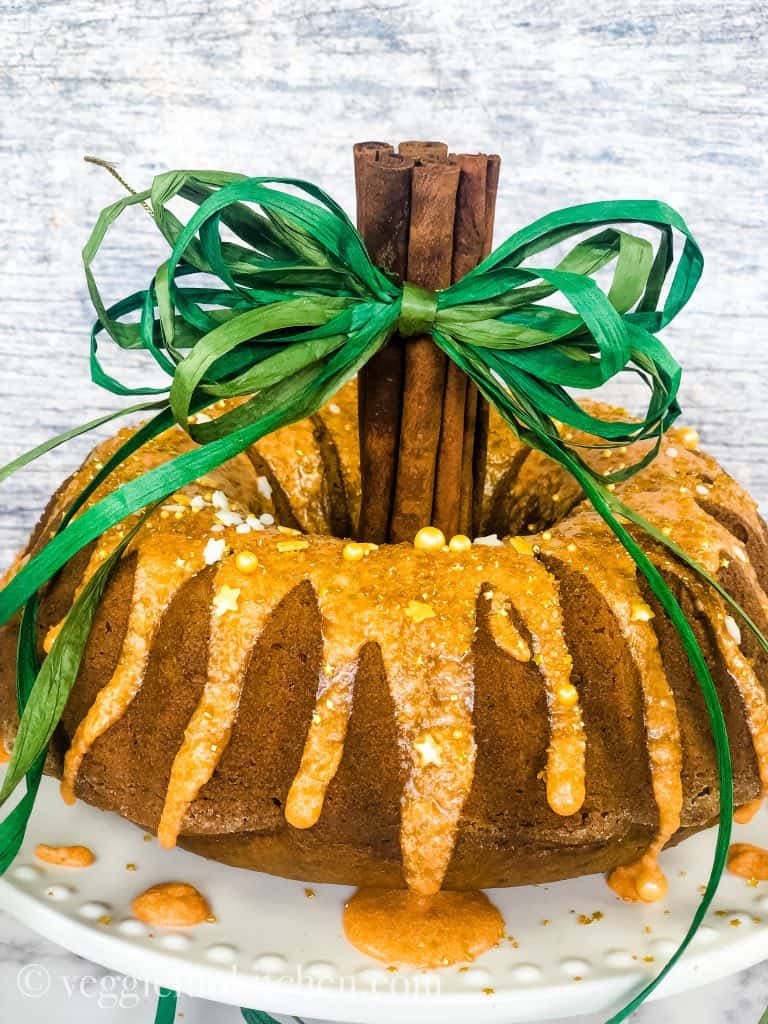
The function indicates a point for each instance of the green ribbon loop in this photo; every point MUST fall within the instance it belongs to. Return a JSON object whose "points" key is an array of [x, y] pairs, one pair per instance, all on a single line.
{"points": [[418, 309], [288, 307]]}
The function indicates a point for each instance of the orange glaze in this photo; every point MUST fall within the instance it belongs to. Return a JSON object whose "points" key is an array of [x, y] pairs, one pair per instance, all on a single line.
{"points": [[747, 861], [171, 905], [398, 926], [744, 814], [65, 856]]}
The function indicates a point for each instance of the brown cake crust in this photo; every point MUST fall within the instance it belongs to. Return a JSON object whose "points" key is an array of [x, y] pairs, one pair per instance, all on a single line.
{"points": [[507, 834]]}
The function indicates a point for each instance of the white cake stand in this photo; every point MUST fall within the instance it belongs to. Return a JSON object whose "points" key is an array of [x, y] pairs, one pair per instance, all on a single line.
{"points": [[278, 945]]}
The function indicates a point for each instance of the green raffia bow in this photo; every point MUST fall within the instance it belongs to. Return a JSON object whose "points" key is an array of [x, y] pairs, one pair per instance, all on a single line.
{"points": [[290, 308]]}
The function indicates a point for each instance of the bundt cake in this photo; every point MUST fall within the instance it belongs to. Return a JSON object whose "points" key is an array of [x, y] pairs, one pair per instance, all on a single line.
{"points": [[512, 710]]}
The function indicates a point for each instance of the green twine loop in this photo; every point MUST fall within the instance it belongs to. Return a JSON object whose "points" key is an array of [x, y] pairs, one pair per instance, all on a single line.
{"points": [[296, 308], [418, 309]]}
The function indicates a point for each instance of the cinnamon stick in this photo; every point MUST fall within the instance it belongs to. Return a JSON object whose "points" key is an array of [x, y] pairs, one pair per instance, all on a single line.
{"points": [[383, 187], [419, 149], [452, 507], [430, 257], [480, 448]]}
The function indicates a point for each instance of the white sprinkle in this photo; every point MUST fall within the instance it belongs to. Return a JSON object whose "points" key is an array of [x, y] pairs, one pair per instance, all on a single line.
{"points": [[213, 551], [733, 628], [174, 508], [267, 519], [672, 452], [335, 409], [202, 418], [243, 528], [217, 527], [740, 554], [220, 501], [491, 541], [197, 504], [255, 523], [180, 563], [229, 518], [264, 487], [701, 489]]}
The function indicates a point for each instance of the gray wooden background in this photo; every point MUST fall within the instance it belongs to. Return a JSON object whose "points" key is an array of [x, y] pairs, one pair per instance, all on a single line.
{"points": [[583, 101]]}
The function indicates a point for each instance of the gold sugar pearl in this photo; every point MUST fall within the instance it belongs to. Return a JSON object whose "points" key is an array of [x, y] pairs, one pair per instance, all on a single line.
{"points": [[246, 561], [353, 551], [429, 538], [567, 695], [459, 542]]}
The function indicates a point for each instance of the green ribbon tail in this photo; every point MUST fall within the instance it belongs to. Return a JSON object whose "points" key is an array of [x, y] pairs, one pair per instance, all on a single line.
{"points": [[14, 827], [603, 507], [41, 701], [166, 1006], [257, 1017]]}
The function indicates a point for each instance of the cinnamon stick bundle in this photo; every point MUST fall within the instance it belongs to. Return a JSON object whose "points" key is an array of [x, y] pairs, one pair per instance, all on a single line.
{"points": [[423, 431]]}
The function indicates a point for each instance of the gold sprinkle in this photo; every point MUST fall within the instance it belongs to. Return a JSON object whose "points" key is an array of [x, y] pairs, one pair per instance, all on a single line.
{"points": [[147, 838], [589, 919], [641, 612], [734, 922], [284, 546], [105, 919], [488, 991], [429, 538], [545, 922], [130, 867], [310, 893], [689, 438], [246, 561], [418, 611]]}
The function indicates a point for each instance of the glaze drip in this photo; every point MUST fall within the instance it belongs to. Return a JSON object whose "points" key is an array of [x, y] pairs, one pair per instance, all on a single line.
{"points": [[612, 573]]}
